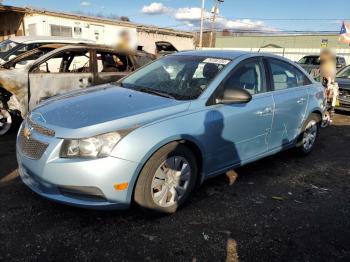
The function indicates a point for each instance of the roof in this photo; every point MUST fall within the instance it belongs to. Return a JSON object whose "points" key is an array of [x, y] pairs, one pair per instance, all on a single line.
{"points": [[224, 54], [50, 39], [98, 47]]}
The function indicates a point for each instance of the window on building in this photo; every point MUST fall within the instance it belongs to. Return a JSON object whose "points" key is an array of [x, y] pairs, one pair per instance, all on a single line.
{"points": [[78, 30], [58, 30], [32, 29]]}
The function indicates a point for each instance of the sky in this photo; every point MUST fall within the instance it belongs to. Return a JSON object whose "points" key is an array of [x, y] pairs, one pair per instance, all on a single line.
{"points": [[253, 15]]}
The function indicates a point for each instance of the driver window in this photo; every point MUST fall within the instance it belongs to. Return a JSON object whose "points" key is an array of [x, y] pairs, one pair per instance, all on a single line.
{"points": [[50, 66], [66, 62], [80, 63], [249, 76]]}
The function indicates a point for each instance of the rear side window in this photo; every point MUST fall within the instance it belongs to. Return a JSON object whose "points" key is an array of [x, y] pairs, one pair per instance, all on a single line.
{"points": [[285, 75], [249, 75], [113, 62]]}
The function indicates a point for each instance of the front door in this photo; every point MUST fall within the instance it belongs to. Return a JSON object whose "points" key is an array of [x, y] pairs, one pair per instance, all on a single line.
{"points": [[64, 72], [242, 130], [291, 97]]}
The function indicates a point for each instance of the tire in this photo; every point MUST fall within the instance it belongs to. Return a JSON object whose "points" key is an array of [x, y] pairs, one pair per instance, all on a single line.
{"points": [[6, 121], [167, 179], [309, 135]]}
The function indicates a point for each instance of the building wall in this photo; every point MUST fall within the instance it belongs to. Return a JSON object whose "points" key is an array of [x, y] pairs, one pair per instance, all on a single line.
{"points": [[148, 39], [40, 24], [10, 25], [294, 54], [292, 41]]}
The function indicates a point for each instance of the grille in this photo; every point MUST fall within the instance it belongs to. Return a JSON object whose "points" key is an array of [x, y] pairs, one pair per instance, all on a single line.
{"points": [[40, 129], [30, 147]]}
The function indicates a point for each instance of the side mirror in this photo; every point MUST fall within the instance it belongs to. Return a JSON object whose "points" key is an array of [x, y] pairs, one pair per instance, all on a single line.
{"points": [[234, 96]]}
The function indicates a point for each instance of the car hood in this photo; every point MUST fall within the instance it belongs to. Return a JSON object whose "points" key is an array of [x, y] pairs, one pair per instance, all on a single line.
{"points": [[104, 109], [343, 83]]}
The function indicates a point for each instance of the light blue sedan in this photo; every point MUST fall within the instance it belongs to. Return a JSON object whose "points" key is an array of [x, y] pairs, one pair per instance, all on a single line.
{"points": [[156, 134]]}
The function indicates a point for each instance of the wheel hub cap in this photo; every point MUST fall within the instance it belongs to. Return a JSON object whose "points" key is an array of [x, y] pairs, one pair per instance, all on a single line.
{"points": [[171, 181], [310, 134]]}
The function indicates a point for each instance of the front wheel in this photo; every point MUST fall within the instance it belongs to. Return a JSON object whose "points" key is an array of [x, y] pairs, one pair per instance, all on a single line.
{"points": [[309, 134], [167, 179], [5, 121]]}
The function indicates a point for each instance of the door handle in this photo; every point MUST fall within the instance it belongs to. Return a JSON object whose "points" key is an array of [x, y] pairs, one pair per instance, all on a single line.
{"points": [[301, 100], [266, 111]]}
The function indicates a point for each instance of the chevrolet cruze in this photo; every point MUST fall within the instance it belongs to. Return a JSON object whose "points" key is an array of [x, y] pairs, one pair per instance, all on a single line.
{"points": [[153, 136]]}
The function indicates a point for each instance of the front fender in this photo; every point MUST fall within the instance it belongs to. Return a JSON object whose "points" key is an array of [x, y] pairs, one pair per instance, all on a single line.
{"points": [[143, 142]]}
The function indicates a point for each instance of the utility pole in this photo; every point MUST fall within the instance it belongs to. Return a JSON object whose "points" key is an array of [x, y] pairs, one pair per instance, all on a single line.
{"points": [[201, 28], [215, 11]]}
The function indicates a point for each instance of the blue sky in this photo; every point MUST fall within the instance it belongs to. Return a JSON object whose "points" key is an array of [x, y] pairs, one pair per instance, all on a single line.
{"points": [[234, 14]]}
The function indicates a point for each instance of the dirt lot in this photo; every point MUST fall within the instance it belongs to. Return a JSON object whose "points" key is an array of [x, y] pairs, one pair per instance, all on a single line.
{"points": [[283, 208]]}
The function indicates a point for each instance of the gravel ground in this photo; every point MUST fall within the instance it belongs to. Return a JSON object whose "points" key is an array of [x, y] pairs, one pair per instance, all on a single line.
{"points": [[282, 208]]}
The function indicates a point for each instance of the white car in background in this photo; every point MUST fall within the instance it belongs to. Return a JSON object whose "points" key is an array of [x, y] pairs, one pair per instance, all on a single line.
{"points": [[13, 47]]}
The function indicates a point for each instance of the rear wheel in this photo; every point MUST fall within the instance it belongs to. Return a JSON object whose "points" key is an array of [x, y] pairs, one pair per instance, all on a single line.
{"points": [[309, 134], [167, 179], [5, 121]]}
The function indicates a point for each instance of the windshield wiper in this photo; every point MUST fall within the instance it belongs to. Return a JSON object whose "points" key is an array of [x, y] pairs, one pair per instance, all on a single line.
{"points": [[159, 93], [154, 92]]}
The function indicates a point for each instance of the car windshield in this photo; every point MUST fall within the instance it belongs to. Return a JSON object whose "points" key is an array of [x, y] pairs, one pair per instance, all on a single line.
{"points": [[344, 73], [7, 45], [26, 58], [178, 77]]}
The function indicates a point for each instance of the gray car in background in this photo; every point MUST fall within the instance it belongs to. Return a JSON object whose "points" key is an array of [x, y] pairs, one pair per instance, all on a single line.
{"points": [[343, 80], [311, 63]]}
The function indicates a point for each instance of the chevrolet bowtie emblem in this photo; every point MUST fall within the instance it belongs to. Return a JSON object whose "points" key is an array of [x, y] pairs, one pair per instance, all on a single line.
{"points": [[26, 132]]}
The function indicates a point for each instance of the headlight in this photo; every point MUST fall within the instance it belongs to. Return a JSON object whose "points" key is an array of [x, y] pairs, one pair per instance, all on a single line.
{"points": [[92, 147]]}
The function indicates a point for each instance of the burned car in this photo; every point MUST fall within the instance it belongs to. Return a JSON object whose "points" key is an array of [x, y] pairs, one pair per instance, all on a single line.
{"points": [[24, 84], [16, 46], [164, 48]]}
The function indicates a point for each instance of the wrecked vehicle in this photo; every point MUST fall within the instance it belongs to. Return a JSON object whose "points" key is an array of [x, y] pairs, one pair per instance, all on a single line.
{"points": [[164, 48], [24, 84], [162, 130], [16, 46], [311, 63]]}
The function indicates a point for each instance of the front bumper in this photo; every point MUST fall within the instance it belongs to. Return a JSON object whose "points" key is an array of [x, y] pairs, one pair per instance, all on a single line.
{"points": [[78, 182]]}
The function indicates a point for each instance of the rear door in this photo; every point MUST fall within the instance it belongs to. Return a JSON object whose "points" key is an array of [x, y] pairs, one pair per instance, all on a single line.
{"points": [[290, 96], [112, 66], [64, 71]]}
